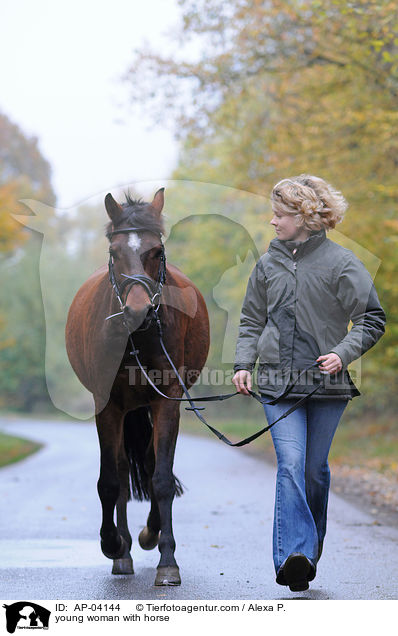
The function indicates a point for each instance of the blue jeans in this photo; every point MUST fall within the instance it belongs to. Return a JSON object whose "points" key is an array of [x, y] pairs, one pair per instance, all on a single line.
{"points": [[302, 441]]}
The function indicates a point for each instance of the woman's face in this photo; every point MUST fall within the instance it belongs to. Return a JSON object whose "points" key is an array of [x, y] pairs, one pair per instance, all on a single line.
{"points": [[286, 228]]}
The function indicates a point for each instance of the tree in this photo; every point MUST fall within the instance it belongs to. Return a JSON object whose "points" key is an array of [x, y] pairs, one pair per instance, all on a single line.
{"points": [[22, 342], [24, 173]]}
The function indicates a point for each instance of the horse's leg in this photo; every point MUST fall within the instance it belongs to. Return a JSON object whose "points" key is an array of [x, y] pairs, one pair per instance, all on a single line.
{"points": [[165, 421], [110, 435], [149, 536], [124, 565]]}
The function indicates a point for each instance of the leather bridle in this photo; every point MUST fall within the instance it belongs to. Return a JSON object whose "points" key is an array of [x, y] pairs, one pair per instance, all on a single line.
{"points": [[154, 290]]}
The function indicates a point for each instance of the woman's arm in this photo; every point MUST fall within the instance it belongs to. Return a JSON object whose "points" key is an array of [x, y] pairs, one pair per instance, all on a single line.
{"points": [[252, 320], [358, 297]]}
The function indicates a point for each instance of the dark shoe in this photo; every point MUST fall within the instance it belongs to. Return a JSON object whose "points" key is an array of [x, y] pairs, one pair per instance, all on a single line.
{"points": [[296, 571], [280, 577]]}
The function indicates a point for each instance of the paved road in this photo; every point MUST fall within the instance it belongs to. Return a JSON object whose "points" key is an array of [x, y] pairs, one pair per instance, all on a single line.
{"points": [[50, 518]]}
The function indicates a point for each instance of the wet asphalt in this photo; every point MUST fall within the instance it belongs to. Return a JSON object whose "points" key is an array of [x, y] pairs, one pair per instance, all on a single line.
{"points": [[50, 519]]}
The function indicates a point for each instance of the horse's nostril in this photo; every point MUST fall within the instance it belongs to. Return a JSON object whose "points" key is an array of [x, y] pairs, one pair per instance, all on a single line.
{"points": [[137, 319]]}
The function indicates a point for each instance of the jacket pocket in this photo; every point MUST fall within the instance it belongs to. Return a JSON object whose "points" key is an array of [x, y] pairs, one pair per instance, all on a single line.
{"points": [[268, 345]]}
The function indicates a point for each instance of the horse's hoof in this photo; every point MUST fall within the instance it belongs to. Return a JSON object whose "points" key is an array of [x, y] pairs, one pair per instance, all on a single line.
{"points": [[148, 539], [119, 554], [169, 575], [123, 566]]}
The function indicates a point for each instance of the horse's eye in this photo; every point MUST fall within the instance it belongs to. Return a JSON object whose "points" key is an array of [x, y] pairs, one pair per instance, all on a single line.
{"points": [[113, 253], [158, 253]]}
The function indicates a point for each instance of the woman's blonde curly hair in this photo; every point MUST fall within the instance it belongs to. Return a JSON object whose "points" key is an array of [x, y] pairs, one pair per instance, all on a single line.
{"points": [[314, 202]]}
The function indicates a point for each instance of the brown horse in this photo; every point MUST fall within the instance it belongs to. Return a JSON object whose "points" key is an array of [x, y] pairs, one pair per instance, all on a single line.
{"points": [[114, 311]]}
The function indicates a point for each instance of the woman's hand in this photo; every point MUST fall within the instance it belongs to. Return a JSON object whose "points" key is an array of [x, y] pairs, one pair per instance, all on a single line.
{"points": [[332, 363], [241, 380]]}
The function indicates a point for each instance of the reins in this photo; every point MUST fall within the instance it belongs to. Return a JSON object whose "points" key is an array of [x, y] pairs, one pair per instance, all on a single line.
{"points": [[154, 290], [214, 398]]}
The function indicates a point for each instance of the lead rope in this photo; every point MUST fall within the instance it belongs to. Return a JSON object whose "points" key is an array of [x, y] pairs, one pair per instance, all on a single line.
{"points": [[211, 398]]}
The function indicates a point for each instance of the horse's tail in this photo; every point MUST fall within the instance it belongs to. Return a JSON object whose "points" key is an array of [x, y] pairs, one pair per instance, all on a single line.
{"points": [[138, 443], [137, 437]]}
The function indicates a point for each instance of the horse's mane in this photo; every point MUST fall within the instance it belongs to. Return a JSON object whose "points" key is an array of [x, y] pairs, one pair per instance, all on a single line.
{"points": [[137, 213]]}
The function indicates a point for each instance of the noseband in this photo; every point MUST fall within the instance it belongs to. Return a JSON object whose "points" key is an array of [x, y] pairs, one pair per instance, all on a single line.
{"points": [[153, 289]]}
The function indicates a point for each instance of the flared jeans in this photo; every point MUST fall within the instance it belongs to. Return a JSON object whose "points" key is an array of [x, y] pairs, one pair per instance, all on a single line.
{"points": [[302, 442]]}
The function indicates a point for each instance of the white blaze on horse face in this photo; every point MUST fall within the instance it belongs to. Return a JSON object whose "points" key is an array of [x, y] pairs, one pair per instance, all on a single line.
{"points": [[134, 241]]}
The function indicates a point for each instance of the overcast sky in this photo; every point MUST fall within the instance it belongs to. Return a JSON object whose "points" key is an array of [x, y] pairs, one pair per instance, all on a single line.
{"points": [[61, 63]]}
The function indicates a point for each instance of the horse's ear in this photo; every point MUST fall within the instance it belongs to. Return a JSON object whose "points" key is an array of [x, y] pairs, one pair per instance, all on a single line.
{"points": [[113, 208], [158, 200]]}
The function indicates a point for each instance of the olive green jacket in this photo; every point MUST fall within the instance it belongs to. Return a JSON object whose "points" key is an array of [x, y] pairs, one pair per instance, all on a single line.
{"points": [[298, 307]]}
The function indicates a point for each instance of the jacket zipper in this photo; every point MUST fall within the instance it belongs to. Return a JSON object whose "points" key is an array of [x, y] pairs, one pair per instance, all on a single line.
{"points": [[295, 308]]}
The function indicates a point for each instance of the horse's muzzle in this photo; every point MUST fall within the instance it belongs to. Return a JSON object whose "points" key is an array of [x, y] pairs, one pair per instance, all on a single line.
{"points": [[139, 320]]}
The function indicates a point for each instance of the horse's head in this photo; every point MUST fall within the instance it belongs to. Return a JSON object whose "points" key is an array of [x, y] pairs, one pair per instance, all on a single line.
{"points": [[136, 256]]}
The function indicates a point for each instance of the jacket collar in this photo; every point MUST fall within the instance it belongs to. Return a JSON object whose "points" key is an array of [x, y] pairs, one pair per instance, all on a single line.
{"points": [[303, 247]]}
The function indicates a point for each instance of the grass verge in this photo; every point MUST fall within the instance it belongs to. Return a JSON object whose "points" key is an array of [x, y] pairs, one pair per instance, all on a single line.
{"points": [[13, 449]]}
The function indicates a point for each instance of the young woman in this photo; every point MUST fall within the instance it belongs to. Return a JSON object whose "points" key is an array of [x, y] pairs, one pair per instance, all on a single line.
{"points": [[300, 298]]}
